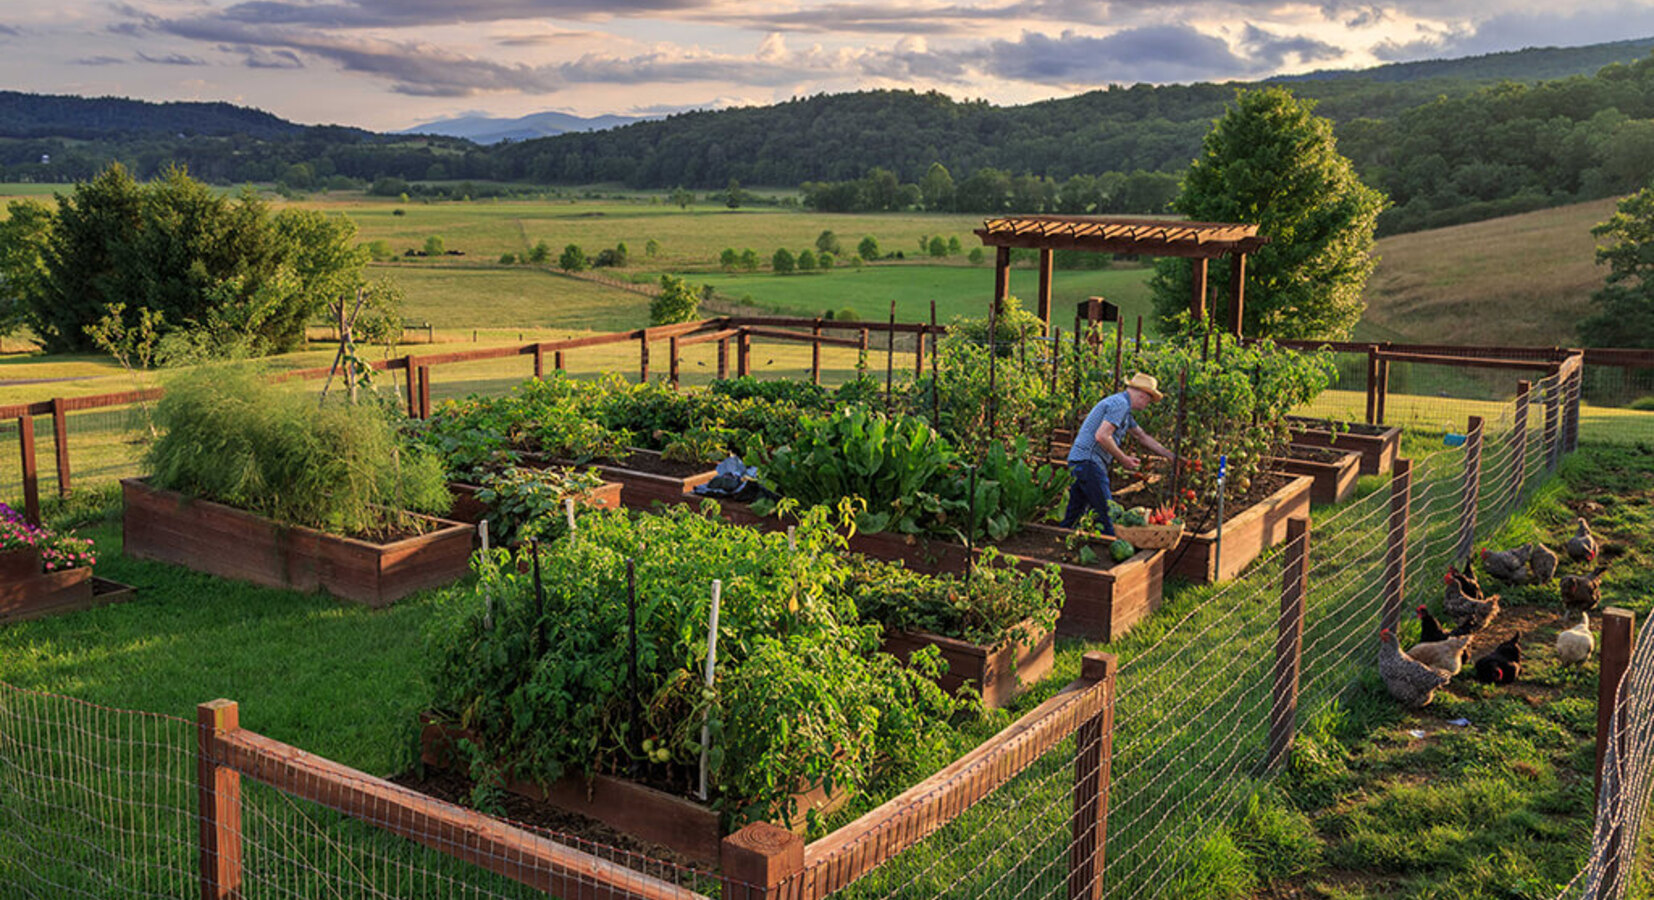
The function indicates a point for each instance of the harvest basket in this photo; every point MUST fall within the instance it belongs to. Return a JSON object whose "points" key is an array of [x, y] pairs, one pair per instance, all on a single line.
{"points": [[1150, 537]]}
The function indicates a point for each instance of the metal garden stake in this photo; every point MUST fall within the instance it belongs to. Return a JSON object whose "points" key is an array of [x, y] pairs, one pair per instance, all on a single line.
{"points": [[487, 593], [1217, 543], [631, 633], [711, 660]]}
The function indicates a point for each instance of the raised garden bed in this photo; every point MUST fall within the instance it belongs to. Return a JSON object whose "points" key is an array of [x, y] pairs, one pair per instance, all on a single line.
{"points": [[645, 477], [1335, 470], [678, 823], [220, 540], [1247, 532], [1101, 601], [27, 591], [1379, 445], [999, 673], [468, 509]]}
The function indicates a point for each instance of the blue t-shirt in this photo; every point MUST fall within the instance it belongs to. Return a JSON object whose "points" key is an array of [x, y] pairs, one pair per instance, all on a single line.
{"points": [[1114, 408]]}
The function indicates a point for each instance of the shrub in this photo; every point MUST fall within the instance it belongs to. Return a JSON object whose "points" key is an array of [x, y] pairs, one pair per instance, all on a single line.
{"points": [[541, 253], [229, 434], [573, 259], [508, 259], [824, 262], [806, 260], [782, 262], [676, 302], [868, 248], [434, 246]]}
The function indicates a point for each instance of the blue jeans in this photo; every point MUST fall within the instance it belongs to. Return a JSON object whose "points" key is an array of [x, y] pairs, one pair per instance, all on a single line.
{"points": [[1089, 491]]}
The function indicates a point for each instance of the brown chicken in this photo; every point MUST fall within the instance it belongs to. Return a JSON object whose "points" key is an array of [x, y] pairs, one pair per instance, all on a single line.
{"points": [[1431, 631], [1582, 547], [1467, 610], [1407, 679], [1541, 562], [1509, 566], [1582, 591], [1447, 655]]}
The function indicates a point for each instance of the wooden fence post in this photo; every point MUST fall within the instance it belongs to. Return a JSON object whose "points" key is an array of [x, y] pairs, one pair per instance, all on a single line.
{"points": [[815, 353], [743, 353], [557, 360], [863, 348], [1383, 389], [758, 860], [1372, 384], [31, 469], [723, 359], [1619, 641], [1289, 643], [1618, 645], [1472, 490], [424, 392], [1395, 548], [539, 361], [643, 359], [672, 360], [60, 443], [1519, 439], [1093, 765], [919, 353], [412, 373], [1553, 423], [219, 795]]}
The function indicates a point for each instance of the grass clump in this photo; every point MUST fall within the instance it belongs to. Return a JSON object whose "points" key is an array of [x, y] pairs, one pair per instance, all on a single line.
{"points": [[229, 434]]}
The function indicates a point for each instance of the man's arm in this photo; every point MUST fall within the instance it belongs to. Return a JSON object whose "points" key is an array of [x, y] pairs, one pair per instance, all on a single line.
{"points": [[1149, 442], [1105, 440]]}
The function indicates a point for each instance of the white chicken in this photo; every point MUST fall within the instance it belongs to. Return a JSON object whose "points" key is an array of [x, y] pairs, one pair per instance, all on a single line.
{"points": [[1575, 645]]}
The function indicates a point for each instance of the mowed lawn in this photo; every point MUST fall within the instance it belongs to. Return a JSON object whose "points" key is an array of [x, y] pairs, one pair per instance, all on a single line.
{"points": [[958, 290]]}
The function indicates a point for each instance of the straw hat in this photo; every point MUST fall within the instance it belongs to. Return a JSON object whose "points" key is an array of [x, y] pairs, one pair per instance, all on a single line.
{"points": [[1146, 383]]}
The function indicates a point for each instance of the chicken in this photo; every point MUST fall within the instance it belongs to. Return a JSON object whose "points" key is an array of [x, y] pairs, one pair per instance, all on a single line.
{"points": [[1541, 562], [1509, 566], [1502, 664], [1468, 585], [1582, 547], [1447, 655], [1582, 591], [1472, 612], [1407, 679], [1431, 631], [1575, 644]]}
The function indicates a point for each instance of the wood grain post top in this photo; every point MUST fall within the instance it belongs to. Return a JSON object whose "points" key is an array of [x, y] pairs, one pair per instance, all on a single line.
{"points": [[1296, 527], [762, 855], [1098, 666], [220, 715], [1618, 617]]}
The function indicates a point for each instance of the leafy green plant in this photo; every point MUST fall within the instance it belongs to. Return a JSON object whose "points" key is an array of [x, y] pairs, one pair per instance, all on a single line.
{"points": [[997, 605], [801, 696], [525, 504], [231, 435]]}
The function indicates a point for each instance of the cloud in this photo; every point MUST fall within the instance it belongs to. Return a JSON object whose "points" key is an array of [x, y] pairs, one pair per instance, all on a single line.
{"points": [[1271, 51], [10, 31], [1154, 54], [262, 58], [98, 61], [172, 59], [411, 13], [545, 38]]}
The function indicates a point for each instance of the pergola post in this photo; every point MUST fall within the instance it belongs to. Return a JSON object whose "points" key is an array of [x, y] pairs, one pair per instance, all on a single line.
{"points": [[1002, 277], [1237, 293], [1197, 289], [1047, 264]]}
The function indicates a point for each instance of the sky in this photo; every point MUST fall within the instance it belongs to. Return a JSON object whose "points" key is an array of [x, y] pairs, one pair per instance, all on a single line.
{"points": [[391, 64]]}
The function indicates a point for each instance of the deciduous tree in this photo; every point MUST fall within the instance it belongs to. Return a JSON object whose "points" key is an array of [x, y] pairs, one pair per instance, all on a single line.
{"points": [[1624, 315]]}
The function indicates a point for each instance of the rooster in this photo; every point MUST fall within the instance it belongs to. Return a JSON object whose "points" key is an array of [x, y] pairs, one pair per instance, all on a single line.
{"points": [[1475, 613], [1575, 644], [1502, 664], [1407, 679], [1582, 547], [1541, 562], [1446, 655], [1431, 631], [1582, 591], [1509, 566]]}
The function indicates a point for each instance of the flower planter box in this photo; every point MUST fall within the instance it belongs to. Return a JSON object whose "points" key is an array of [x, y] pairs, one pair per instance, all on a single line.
{"points": [[1379, 444], [468, 509], [677, 823], [639, 490], [220, 540], [1000, 674], [1247, 534], [1334, 480], [27, 592]]}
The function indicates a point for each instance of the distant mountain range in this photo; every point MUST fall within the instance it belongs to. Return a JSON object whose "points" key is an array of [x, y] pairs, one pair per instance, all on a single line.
{"points": [[490, 130], [1528, 64]]}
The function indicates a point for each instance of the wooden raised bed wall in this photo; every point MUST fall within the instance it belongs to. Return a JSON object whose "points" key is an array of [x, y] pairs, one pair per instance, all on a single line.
{"points": [[468, 509], [1378, 449], [999, 673], [1334, 480], [220, 540], [1248, 534]]}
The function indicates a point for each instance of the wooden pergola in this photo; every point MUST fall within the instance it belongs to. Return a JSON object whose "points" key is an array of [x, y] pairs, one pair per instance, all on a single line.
{"points": [[1199, 241]]}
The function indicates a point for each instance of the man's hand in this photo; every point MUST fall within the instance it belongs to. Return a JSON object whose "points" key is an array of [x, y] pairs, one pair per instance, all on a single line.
{"points": [[1129, 461]]}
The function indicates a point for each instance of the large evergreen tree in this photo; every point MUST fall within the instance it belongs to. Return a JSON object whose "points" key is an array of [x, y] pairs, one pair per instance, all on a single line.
{"points": [[1625, 305], [1270, 161]]}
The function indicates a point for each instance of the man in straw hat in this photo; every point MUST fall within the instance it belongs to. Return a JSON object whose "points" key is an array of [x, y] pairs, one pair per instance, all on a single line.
{"points": [[1098, 439]]}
